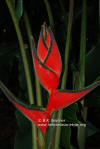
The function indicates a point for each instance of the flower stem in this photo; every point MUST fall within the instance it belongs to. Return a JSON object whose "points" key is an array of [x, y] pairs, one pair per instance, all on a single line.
{"points": [[49, 13], [39, 103], [67, 46], [29, 32], [64, 78], [25, 62], [28, 28], [82, 130], [83, 46], [38, 88], [24, 57]]}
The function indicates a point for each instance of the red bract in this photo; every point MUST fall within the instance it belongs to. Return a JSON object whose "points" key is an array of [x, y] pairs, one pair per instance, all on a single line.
{"points": [[47, 60], [39, 117], [35, 114], [46, 76], [47, 63], [60, 98]]}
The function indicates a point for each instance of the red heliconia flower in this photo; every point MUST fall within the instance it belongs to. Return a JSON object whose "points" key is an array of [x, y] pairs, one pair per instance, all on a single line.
{"points": [[47, 63], [59, 98], [47, 60], [36, 114]]}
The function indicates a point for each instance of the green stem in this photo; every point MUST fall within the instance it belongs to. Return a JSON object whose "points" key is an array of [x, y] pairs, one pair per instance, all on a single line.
{"points": [[29, 33], [24, 57], [83, 46], [39, 103], [67, 46], [34, 137], [38, 92], [38, 88], [49, 13], [64, 78], [82, 131], [28, 28]]}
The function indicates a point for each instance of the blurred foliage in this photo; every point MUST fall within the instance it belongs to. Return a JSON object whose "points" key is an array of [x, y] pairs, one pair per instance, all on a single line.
{"points": [[23, 139]]}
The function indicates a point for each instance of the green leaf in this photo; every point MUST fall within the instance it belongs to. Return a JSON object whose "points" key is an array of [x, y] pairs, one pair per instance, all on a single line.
{"points": [[19, 9], [70, 113], [50, 131], [13, 2], [18, 6], [92, 72], [93, 64], [23, 140], [23, 123], [93, 99], [91, 129], [65, 137]]}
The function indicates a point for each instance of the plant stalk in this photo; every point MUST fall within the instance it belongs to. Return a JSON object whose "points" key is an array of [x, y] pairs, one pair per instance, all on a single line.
{"points": [[82, 130], [38, 88], [49, 13], [28, 28], [25, 62], [29, 33], [64, 78], [83, 46], [24, 57]]}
